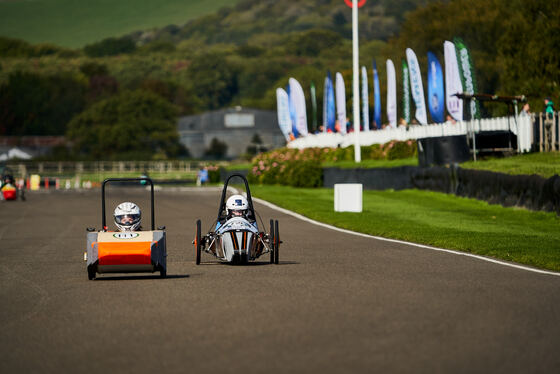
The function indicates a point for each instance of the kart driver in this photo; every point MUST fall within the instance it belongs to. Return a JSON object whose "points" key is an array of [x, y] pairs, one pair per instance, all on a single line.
{"points": [[127, 217], [237, 206]]}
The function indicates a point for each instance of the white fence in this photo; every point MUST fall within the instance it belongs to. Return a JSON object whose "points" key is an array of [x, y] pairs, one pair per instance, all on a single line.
{"points": [[522, 126]]}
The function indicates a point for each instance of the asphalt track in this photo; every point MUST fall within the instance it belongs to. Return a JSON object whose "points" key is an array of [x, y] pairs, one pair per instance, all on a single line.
{"points": [[337, 303]]}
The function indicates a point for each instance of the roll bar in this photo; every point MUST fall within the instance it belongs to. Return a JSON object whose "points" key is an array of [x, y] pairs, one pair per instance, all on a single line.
{"points": [[249, 199], [146, 179]]}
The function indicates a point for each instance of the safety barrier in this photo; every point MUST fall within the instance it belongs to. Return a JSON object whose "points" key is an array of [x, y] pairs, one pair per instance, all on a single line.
{"points": [[522, 126]]}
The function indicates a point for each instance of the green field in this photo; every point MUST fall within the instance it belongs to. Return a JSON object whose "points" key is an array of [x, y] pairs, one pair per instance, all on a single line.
{"points": [[72, 23], [436, 219], [544, 164]]}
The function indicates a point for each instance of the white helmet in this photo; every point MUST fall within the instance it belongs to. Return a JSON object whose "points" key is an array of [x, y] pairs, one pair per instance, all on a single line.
{"points": [[127, 216], [237, 206]]}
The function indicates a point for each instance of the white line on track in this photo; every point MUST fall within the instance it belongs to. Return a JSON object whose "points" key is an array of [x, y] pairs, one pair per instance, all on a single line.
{"points": [[303, 218]]}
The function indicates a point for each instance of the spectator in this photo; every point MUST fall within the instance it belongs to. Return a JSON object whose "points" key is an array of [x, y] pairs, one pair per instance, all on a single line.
{"points": [[548, 108], [450, 120], [202, 176], [525, 111], [548, 122]]}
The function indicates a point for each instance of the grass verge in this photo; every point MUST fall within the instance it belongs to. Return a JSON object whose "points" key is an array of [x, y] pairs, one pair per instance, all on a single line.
{"points": [[545, 164], [446, 221], [371, 164]]}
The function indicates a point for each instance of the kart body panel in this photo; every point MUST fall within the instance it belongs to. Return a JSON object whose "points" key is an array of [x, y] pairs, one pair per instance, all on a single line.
{"points": [[124, 252]]}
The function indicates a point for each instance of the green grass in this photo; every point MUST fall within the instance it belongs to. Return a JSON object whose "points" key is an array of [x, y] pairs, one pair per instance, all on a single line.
{"points": [[73, 23], [446, 221], [370, 164], [544, 164]]}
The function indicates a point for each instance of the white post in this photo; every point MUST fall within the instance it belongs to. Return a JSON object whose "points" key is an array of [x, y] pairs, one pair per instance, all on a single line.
{"points": [[355, 82]]}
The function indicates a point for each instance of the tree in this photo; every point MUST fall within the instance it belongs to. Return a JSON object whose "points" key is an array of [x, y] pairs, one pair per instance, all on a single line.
{"points": [[34, 104], [214, 79], [110, 47], [131, 125]]}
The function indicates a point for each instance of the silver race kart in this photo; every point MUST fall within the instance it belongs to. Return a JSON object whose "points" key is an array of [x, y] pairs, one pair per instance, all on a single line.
{"points": [[238, 240]]}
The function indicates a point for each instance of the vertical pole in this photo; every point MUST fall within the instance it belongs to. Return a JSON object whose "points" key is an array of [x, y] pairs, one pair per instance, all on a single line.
{"points": [[355, 82]]}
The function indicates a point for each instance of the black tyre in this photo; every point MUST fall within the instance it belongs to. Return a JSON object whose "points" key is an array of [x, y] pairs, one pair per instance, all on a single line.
{"points": [[197, 242], [271, 236], [276, 242], [91, 272]]}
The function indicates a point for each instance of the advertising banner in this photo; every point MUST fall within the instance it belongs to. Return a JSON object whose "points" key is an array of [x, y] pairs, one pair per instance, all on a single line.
{"points": [[313, 108], [417, 87], [340, 104], [295, 133], [468, 79], [436, 97], [391, 94], [453, 83], [283, 111], [365, 100], [376, 97], [298, 103], [406, 92], [329, 113]]}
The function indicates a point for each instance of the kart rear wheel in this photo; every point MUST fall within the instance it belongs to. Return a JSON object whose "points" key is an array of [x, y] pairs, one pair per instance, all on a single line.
{"points": [[197, 241], [276, 242], [271, 236]]}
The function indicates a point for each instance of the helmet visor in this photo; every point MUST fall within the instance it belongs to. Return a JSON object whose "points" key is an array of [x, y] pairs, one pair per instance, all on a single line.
{"points": [[127, 219]]}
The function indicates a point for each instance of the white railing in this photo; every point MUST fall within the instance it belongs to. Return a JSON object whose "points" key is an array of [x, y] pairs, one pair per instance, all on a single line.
{"points": [[522, 126]]}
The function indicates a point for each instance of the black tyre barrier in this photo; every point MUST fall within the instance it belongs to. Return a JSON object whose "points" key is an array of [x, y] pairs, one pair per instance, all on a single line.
{"points": [[529, 191]]}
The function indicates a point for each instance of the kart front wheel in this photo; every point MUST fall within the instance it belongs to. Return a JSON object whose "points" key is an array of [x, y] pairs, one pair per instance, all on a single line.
{"points": [[91, 272], [276, 242], [271, 241], [197, 242]]}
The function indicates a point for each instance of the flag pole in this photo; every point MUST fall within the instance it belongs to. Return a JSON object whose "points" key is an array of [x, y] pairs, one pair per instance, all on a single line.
{"points": [[355, 82]]}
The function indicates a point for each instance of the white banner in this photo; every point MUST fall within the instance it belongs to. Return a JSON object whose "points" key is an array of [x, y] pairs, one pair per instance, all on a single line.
{"points": [[417, 87], [298, 101], [365, 100], [452, 82], [391, 94], [340, 104], [283, 110]]}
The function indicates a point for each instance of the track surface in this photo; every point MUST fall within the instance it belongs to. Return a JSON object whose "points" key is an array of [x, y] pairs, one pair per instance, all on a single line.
{"points": [[336, 303]]}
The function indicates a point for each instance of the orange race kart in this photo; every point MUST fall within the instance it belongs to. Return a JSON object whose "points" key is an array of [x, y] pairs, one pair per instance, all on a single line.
{"points": [[128, 251]]}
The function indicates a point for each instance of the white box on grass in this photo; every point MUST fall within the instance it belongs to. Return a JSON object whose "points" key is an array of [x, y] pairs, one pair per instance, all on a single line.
{"points": [[348, 197]]}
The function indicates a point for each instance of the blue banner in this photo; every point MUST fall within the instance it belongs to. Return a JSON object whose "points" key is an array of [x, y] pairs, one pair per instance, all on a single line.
{"points": [[292, 112], [329, 109], [376, 97], [436, 98]]}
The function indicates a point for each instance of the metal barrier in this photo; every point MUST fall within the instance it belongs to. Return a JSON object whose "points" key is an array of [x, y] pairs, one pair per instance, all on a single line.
{"points": [[66, 168], [530, 130]]}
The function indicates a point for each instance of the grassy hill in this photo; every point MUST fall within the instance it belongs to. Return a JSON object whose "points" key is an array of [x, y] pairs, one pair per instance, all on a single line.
{"points": [[73, 23]]}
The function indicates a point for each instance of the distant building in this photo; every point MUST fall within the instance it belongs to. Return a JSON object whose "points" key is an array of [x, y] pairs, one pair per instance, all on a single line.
{"points": [[235, 127]]}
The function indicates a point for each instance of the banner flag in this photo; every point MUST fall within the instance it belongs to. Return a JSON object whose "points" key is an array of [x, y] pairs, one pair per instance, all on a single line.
{"points": [[295, 133], [406, 92], [365, 100], [313, 108], [340, 104], [376, 98], [329, 113], [298, 102], [417, 87], [452, 82], [283, 110], [391, 94], [466, 70], [435, 89]]}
